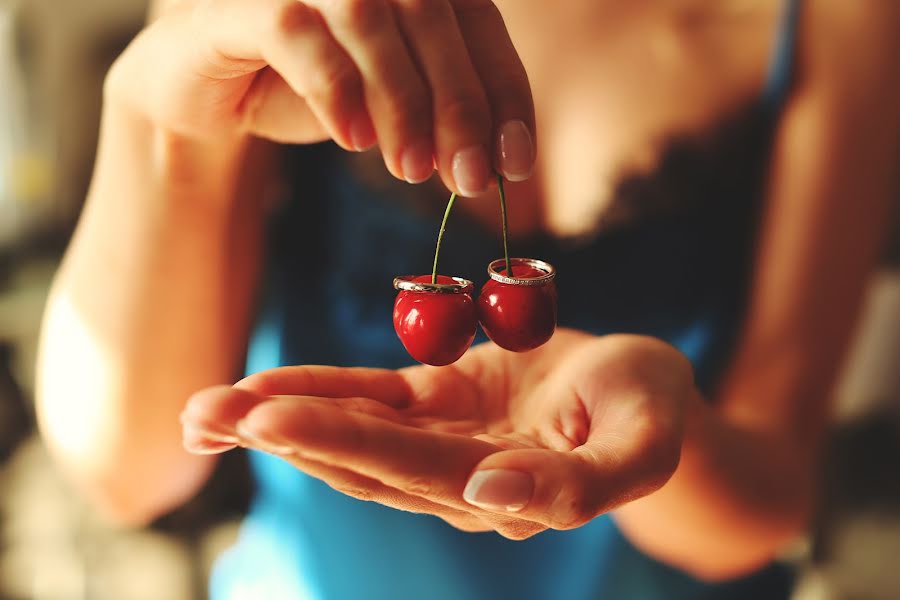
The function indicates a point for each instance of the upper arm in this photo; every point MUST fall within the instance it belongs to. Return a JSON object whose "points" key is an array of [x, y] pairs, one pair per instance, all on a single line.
{"points": [[832, 182]]}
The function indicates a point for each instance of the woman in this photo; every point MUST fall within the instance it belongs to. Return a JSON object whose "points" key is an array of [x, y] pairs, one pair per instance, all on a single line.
{"points": [[712, 174]]}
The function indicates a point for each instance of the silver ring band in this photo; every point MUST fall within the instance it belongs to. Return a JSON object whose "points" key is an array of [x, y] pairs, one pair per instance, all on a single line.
{"points": [[405, 283], [500, 263]]}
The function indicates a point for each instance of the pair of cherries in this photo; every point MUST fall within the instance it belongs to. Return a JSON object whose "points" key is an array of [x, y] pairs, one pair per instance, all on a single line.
{"points": [[436, 321], [436, 316]]}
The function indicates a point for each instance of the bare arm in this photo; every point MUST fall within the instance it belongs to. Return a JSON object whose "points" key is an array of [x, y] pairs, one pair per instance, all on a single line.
{"points": [[154, 295], [151, 303], [747, 478]]}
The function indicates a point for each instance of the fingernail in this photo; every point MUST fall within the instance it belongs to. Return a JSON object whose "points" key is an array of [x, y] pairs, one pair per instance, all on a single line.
{"points": [[362, 134], [417, 162], [261, 441], [471, 170], [516, 151], [211, 431], [499, 489], [197, 441]]}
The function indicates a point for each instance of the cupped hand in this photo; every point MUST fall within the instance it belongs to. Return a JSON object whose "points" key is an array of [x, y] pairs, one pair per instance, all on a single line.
{"points": [[516, 443], [435, 83]]}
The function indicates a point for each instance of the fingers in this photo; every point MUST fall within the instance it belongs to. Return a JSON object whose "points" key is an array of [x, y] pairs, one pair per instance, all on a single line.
{"points": [[211, 416], [419, 462], [433, 82], [272, 110], [462, 119], [300, 46], [367, 489], [383, 385], [212, 424], [564, 490], [506, 86], [370, 490], [398, 100]]}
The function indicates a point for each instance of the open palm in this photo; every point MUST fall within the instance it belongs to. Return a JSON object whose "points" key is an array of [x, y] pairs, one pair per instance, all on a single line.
{"points": [[516, 443]]}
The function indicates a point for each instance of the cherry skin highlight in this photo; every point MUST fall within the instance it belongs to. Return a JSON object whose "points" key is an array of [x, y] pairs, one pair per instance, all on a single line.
{"points": [[435, 328], [518, 317]]}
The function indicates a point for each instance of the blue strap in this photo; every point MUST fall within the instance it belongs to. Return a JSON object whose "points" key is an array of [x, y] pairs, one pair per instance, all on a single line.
{"points": [[781, 65]]}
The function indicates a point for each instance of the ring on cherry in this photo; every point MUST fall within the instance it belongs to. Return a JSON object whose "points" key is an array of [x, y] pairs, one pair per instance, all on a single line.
{"points": [[435, 315]]}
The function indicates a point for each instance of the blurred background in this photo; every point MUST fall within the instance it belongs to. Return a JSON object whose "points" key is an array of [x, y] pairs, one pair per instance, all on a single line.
{"points": [[53, 56]]}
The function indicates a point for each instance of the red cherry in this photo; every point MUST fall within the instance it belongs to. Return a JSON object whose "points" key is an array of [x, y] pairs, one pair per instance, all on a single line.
{"points": [[519, 315], [436, 325]]}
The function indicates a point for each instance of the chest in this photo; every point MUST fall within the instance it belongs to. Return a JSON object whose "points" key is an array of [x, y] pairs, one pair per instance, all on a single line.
{"points": [[615, 82]]}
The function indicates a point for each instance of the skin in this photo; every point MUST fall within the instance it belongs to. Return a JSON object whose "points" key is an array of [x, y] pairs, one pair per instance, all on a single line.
{"points": [[172, 229]]}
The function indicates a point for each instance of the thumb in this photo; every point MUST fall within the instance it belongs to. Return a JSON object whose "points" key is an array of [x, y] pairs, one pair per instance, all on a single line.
{"points": [[566, 489]]}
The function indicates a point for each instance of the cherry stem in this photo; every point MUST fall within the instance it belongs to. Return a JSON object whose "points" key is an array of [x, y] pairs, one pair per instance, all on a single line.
{"points": [[437, 249], [509, 272]]}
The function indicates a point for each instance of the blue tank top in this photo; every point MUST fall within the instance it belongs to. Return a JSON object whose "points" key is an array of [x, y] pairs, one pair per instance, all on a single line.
{"points": [[677, 271]]}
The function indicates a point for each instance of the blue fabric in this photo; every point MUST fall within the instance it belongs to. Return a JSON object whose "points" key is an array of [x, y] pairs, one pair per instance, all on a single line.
{"points": [[679, 275]]}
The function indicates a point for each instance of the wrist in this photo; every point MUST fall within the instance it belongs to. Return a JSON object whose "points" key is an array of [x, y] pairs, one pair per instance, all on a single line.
{"points": [[138, 158]]}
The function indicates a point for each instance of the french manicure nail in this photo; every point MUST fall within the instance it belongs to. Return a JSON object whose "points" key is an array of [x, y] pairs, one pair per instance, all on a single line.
{"points": [[260, 441], [417, 162], [516, 151], [499, 490], [471, 170]]}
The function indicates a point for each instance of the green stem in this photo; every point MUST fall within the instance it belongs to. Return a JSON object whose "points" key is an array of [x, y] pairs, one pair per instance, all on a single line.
{"points": [[437, 249], [509, 272]]}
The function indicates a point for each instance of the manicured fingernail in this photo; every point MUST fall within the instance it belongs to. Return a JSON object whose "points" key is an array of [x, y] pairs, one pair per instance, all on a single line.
{"points": [[516, 151], [362, 134], [471, 170], [198, 441], [499, 489], [261, 441], [214, 432], [417, 162]]}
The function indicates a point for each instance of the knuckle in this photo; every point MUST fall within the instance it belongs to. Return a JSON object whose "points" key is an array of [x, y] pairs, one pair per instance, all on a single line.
{"points": [[357, 15], [418, 486], [410, 106], [426, 11], [336, 80], [571, 509], [470, 109], [292, 19]]}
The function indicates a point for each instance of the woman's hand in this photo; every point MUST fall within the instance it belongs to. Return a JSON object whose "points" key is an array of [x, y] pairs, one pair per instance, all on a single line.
{"points": [[517, 443], [435, 83]]}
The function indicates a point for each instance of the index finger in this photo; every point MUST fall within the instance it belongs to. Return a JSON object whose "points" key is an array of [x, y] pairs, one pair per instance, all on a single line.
{"points": [[383, 385]]}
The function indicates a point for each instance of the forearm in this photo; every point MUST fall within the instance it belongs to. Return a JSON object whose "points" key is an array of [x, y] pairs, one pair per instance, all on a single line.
{"points": [[747, 478], [151, 303], [738, 497]]}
